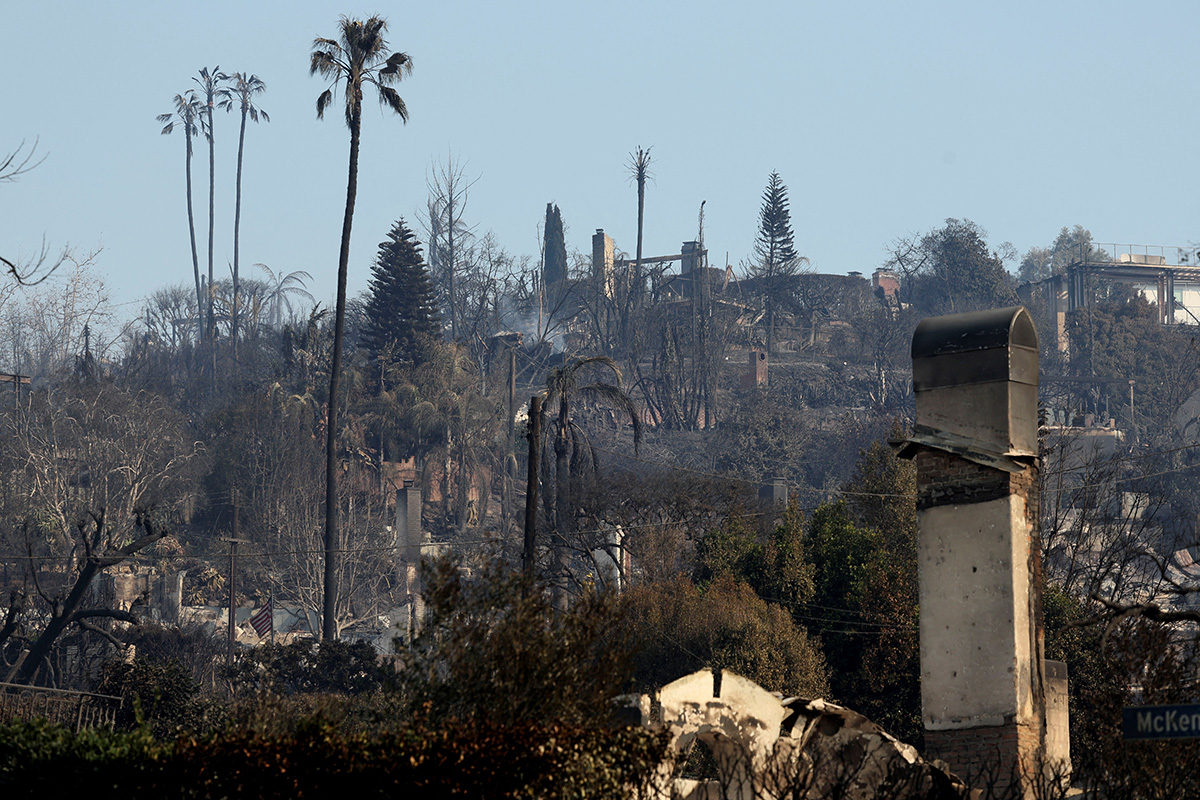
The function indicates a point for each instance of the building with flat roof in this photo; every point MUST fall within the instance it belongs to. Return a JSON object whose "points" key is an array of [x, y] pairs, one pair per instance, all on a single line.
{"points": [[1174, 288]]}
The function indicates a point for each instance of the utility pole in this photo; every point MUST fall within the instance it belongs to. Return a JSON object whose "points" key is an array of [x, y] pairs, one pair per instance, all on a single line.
{"points": [[1132, 419], [531, 484], [234, 541]]}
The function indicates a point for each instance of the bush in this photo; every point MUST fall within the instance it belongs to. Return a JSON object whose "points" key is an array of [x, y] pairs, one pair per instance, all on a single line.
{"points": [[161, 694], [679, 628], [476, 760], [494, 649], [305, 667]]}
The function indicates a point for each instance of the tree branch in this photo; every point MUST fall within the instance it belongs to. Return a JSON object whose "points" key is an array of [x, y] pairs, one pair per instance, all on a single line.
{"points": [[16, 605], [87, 626], [105, 613]]}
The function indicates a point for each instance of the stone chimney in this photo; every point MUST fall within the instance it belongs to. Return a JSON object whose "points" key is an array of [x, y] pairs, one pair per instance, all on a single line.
{"points": [[975, 445]]}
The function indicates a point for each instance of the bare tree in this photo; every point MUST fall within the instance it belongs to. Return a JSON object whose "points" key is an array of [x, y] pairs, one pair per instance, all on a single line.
{"points": [[449, 237], [101, 550], [48, 325], [34, 270]]}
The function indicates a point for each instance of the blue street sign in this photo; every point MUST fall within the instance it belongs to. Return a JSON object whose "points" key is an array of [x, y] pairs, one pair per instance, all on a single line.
{"points": [[1162, 722]]}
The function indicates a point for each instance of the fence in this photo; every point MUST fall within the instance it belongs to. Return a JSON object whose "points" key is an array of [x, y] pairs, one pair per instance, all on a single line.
{"points": [[77, 710]]}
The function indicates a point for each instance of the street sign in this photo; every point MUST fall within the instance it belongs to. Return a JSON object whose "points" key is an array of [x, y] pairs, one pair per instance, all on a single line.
{"points": [[1162, 722]]}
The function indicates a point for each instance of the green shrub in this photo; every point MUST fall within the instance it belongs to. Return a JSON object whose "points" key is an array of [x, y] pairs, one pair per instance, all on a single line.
{"points": [[305, 667], [160, 693]]}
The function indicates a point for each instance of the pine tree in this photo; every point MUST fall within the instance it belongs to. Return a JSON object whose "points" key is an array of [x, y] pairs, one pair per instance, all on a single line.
{"points": [[554, 267], [402, 314], [774, 251], [775, 258]]}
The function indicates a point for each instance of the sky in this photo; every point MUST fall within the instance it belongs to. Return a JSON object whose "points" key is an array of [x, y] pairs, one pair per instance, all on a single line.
{"points": [[882, 118]]}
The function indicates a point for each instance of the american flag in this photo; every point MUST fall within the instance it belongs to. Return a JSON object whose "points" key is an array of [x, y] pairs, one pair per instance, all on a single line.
{"points": [[264, 621]]}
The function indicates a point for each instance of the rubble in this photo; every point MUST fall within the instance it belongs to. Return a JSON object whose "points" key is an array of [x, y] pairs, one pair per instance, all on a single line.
{"points": [[730, 738]]}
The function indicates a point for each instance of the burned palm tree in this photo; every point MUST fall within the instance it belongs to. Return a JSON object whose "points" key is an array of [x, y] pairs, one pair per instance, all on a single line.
{"points": [[574, 456], [213, 92], [187, 116], [241, 95], [359, 56]]}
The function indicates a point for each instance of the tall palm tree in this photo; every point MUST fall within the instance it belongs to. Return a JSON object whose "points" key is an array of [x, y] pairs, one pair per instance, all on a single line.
{"points": [[639, 169], [241, 94], [213, 92], [358, 56], [573, 455], [187, 116]]}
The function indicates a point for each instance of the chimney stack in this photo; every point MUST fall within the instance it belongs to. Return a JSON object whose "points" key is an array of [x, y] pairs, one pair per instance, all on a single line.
{"points": [[983, 672]]}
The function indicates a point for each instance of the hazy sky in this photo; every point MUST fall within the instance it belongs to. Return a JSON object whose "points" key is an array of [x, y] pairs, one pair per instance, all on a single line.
{"points": [[883, 119]]}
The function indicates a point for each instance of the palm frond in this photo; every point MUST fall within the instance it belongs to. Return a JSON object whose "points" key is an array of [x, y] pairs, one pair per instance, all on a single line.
{"points": [[391, 98], [326, 63], [323, 102], [615, 396], [398, 65]]}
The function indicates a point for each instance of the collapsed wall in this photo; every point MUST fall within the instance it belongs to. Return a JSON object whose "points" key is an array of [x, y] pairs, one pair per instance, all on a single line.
{"points": [[759, 745]]}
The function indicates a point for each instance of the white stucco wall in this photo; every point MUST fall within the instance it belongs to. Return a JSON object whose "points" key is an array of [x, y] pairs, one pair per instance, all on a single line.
{"points": [[976, 637]]}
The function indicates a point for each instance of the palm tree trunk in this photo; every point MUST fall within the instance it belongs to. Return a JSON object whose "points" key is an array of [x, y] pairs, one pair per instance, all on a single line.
{"points": [[237, 226], [192, 234], [329, 626], [212, 190], [637, 273]]}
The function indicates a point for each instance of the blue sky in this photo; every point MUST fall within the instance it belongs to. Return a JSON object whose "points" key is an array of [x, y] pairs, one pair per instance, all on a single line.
{"points": [[882, 118]]}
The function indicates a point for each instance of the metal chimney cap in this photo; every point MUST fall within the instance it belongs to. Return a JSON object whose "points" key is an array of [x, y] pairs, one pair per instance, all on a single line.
{"points": [[974, 330]]}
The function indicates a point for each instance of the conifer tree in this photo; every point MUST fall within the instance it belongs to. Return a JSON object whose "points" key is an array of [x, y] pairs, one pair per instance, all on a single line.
{"points": [[775, 258], [401, 313], [774, 250], [554, 267]]}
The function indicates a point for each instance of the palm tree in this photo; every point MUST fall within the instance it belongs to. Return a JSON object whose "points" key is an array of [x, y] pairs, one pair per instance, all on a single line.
{"points": [[358, 56], [210, 87], [639, 168], [242, 94], [187, 116], [279, 291], [573, 454]]}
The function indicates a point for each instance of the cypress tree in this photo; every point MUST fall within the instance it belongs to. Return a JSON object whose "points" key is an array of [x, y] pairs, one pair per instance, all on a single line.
{"points": [[401, 313], [554, 266]]}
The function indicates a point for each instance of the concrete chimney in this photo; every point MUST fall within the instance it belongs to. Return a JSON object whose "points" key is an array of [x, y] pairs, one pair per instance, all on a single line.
{"points": [[603, 261], [975, 445], [409, 539], [775, 492]]}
